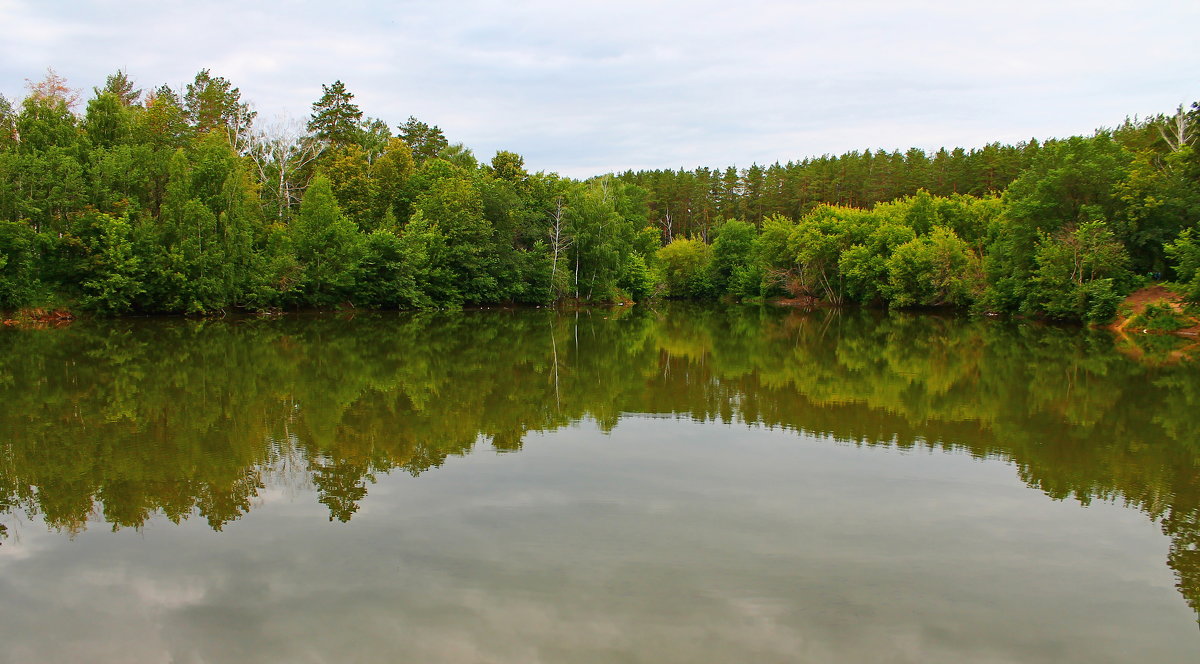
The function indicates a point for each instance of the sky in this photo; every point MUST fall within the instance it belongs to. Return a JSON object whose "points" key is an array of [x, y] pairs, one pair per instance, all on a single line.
{"points": [[584, 88]]}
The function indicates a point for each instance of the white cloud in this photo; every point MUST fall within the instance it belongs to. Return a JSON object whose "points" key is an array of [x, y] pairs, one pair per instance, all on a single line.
{"points": [[586, 87]]}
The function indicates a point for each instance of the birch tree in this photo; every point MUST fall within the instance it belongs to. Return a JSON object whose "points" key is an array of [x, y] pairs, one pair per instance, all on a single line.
{"points": [[281, 153]]}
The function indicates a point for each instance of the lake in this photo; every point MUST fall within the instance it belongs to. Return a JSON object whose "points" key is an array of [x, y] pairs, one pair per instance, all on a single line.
{"points": [[666, 483]]}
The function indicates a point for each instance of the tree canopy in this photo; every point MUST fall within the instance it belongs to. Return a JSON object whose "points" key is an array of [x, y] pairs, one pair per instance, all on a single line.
{"points": [[180, 201]]}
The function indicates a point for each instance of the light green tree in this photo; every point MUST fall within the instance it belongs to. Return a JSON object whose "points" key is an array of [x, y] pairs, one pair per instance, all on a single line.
{"points": [[686, 268], [327, 245]]}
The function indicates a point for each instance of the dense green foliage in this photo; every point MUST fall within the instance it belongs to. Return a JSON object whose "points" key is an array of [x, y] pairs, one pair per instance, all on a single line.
{"points": [[176, 201], [1062, 229]]}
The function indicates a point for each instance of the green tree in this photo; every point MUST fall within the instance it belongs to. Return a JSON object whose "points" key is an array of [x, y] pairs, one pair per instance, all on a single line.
{"points": [[461, 259], [637, 279], [391, 173], [459, 155], [1160, 197], [601, 239], [686, 265], [46, 122], [193, 262], [1081, 274], [164, 124], [116, 178], [732, 253], [773, 255], [245, 271], [865, 266], [115, 279], [211, 102], [201, 253], [509, 166], [937, 269], [335, 118], [1184, 254], [356, 191], [122, 87], [373, 137], [425, 140], [53, 186], [389, 274], [8, 125], [107, 122], [1071, 181], [327, 245], [19, 281], [817, 241]]}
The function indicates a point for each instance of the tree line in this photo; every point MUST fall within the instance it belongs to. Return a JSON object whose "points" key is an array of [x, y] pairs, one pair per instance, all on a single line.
{"points": [[1062, 229], [185, 201]]}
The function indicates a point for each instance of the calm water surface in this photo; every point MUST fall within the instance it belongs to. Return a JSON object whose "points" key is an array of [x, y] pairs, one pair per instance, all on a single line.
{"points": [[671, 484]]}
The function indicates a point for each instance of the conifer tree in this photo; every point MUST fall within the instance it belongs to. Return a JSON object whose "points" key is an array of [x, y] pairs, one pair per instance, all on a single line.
{"points": [[335, 118]]}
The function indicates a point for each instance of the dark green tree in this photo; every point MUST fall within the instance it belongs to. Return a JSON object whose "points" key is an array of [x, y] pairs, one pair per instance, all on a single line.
{"points": [[461, 265], [121, 86], [426, 141], [335, 118], [19, 283], [1081, 273]]}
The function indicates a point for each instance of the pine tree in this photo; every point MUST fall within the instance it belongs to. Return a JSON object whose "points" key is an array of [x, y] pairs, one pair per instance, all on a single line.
{"points": [[212, 102], [335, 118]]}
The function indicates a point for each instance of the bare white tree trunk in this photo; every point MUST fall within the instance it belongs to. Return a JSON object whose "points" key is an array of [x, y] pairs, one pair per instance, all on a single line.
{"points": [[238, 131], [278, 152], [557, 243], [1175, 131]]}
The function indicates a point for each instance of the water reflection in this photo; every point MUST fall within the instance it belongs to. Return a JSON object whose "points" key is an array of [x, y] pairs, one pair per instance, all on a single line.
{"points": [[121, 421]]}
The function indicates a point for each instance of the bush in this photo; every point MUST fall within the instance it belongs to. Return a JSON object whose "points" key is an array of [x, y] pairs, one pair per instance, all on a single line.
{"points": [[635, 278], [116, 279], [18, 258], [733, 249], [1102, 300], [933, 270], [1185, 257], [1158, 317], [1081, 274], [686, 268]]}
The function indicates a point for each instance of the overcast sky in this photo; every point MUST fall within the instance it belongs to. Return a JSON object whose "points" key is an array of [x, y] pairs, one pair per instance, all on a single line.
{"points": [[584, 88]]}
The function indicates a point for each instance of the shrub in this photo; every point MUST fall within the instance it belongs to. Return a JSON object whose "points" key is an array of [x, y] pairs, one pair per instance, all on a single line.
{"points": [[1158, 317], [686, 268]]}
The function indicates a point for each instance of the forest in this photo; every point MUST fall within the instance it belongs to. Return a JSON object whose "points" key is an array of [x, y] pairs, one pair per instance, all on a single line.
{"points": [[184, 201]]}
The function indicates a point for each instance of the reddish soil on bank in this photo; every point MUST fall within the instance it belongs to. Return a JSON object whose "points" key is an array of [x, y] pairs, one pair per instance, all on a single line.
{"points": [[40, 318], [1137, 301]]}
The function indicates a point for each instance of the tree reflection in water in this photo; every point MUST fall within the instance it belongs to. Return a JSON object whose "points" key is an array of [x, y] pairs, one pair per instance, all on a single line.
{"points": [[118, 421]]}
